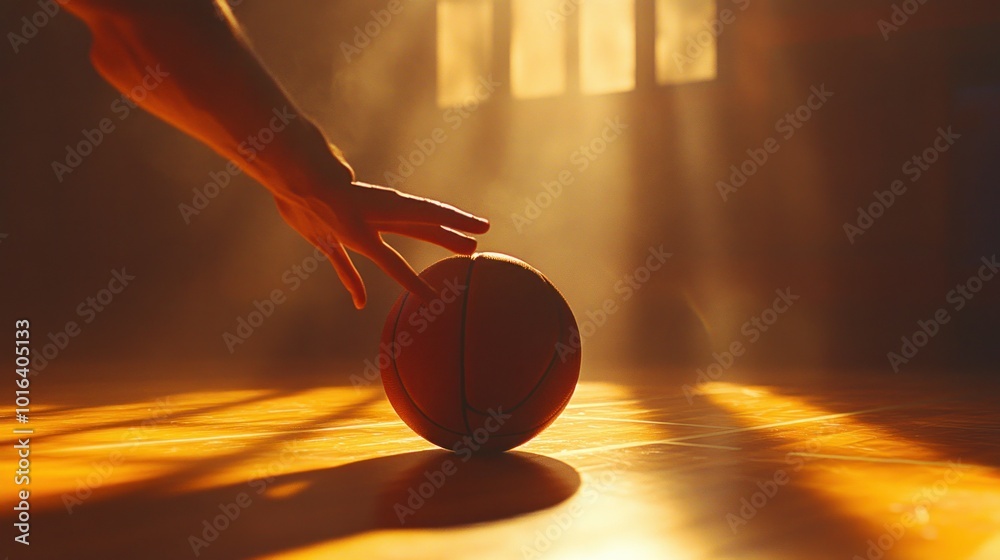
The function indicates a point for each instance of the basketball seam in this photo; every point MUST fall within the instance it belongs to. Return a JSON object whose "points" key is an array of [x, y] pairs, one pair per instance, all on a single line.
{"points": [[461, 346], [549, 418], [555, 353], [465, 405], [402, 386], [552, 362], [545, 374]]}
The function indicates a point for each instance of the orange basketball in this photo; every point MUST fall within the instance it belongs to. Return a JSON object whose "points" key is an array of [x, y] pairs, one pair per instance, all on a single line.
{"points": [[488, 364]]}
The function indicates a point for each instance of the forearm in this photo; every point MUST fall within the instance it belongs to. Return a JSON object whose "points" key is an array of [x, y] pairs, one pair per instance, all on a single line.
{"points": [[215, 89]]}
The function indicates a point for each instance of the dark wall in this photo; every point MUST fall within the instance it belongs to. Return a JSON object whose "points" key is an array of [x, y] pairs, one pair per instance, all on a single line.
{"points": [[784, 228]]}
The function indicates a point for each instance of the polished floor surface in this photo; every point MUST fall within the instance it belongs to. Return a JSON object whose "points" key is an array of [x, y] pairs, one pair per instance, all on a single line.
{"points": [[797, 468]]}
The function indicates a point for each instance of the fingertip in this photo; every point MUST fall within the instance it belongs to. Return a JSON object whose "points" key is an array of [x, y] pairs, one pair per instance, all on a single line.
{"points": [[361, 297], [359, 301], [468, 247], [354, 285], [481, 225], [425, 292]]}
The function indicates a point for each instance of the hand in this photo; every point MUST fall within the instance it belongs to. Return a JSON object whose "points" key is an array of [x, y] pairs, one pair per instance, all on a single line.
{"points": [[219, 93], [352, 215]]}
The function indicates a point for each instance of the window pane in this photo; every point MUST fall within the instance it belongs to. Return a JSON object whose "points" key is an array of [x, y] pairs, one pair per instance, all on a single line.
{"points": [[685, 44], [537, 49], [607, 45], [464, 47]]}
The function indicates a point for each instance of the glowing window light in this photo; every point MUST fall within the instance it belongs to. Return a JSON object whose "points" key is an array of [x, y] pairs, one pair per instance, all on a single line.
{"points": [[464, 48], [607, 46], [537, 49], [686, 47]]}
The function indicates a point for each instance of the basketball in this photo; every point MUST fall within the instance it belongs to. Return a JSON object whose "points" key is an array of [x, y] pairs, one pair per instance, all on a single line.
{"points": [[488, 364]]}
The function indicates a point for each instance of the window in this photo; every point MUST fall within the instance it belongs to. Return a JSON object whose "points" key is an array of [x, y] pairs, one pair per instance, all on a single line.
{"points": [[685, 43], [607, 46], [571, 46], [464, 47], [537, 49]]}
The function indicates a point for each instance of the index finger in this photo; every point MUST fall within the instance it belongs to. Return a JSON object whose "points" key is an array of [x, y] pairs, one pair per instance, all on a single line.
{"points": [[393, 264], [418, 210]]}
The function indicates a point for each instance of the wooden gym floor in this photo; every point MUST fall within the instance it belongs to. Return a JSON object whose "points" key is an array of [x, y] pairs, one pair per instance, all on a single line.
{"points": [[751, 467]]}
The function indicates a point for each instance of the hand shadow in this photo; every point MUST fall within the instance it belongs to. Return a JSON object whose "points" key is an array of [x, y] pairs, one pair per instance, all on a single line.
{"points": [[409, 490]]}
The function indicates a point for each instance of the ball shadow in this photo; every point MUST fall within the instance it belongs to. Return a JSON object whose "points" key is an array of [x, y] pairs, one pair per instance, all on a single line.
{"points": [[442, 489], [410, 490]]}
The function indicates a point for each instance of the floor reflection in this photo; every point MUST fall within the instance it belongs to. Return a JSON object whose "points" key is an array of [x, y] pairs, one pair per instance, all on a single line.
{"points": [[741, 471]]}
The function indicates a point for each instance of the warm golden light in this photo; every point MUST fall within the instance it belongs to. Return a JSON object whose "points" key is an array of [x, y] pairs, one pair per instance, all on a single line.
{"points": [[233, 433], [295, 447], [538, 49], [607, 46], [464, 48], [331, 462], [96, 449], [913, 500], [686, 45]]}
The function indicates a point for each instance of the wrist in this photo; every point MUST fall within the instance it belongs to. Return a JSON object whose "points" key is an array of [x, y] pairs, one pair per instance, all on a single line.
{"points": [[306, 163]]}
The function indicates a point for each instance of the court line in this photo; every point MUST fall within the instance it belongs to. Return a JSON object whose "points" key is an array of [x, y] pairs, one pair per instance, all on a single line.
{"points": [[798, 421], [889, 460], [618, 446], [685, 439], [595, 405], [221, 437], [648, 422]]}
